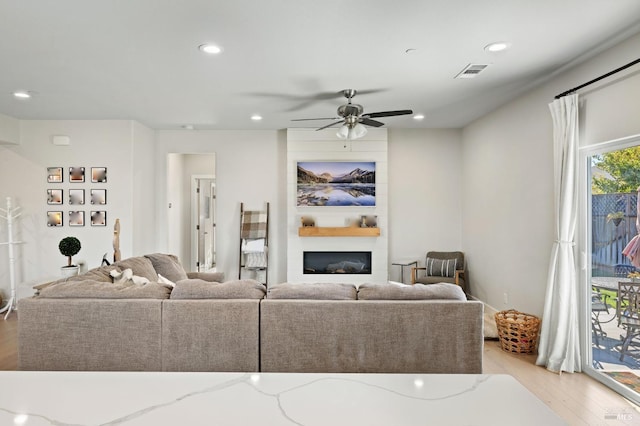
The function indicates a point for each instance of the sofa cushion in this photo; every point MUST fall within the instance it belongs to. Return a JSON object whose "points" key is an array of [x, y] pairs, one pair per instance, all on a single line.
{"points": [[207, 276], [90, 289], [141, 266], [200, 289], [168, 266], [316, 291], [410, 292], [441, 267]]}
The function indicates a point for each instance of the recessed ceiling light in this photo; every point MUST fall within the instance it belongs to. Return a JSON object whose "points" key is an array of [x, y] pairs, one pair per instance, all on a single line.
{"points": [[188, 127], [211, 49], [256, 117], [21, 94], [418, 117], [410, 51], [498, 46]]}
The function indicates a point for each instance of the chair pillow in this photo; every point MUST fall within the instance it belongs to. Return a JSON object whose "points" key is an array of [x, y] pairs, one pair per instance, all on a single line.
{"points": [[441, 267], [315, 291], [410, 292], [200, 289]]}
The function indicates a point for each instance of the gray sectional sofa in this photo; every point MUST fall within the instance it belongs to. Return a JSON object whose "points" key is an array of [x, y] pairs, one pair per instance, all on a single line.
{"points": [[201, 324]]}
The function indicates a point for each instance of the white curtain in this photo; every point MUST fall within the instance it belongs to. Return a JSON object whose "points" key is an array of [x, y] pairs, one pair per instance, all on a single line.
{"points": [[559, 348]]}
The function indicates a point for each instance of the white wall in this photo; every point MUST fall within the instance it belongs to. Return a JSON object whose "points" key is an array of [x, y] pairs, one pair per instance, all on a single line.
{"points": [[23, 177], [424, 194], [9, 130], [250, 168], [507, 169], [144, 194]]}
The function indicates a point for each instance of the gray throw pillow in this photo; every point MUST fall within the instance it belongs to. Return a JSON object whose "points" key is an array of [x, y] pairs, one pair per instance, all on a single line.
{"points": [[316, 291], [168, 266], [441, 268], [141, 266], [410, 292]]}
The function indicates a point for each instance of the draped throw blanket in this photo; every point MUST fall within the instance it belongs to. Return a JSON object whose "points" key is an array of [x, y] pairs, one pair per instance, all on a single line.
{"points": [[253, 234], [559, 348]]}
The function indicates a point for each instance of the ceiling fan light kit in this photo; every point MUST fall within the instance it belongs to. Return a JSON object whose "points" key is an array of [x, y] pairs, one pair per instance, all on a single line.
{"points": [[354, 119]]}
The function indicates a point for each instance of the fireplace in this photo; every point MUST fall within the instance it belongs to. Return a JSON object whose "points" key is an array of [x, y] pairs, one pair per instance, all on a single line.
{"points": [[336, 262]]}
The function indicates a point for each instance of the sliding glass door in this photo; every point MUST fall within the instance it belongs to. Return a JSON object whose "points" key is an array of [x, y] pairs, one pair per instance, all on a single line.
{"points": [[610, 278]]}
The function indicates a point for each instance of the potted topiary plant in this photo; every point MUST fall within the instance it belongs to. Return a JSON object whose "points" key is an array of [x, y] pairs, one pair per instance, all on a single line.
{"points": [[69, 246]]}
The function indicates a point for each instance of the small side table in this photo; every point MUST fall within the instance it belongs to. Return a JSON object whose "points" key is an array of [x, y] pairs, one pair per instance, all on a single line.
{"points": [[403, 263]]}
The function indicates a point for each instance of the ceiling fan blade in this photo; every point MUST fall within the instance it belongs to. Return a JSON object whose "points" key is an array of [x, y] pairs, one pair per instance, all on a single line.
{"points": [[311, 119], [388, 113], [329, 125], [370, 122]]}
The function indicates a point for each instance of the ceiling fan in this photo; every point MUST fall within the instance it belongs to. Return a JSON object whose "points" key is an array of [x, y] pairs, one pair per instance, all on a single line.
{"points": [[353, 118]]}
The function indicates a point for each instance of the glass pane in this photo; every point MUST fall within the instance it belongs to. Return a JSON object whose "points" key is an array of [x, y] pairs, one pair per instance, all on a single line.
{"points": [[615, 305]]}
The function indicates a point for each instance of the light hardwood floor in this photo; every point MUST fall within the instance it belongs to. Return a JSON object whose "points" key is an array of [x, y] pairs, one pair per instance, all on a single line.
{"points": [[577, 398]]}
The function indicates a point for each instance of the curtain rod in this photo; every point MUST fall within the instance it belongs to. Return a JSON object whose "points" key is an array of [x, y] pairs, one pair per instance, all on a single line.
{"points": [[610, 73]]}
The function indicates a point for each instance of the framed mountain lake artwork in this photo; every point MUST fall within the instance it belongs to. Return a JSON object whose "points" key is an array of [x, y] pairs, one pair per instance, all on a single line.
{"points": [[336, 183]]}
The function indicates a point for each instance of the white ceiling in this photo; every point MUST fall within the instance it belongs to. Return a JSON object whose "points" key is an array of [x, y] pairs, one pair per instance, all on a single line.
{"points": [[139, 59]]}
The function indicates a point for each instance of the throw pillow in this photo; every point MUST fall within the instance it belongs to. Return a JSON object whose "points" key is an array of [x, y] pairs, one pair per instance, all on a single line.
{"points": [[167, 265], [441, 267]]}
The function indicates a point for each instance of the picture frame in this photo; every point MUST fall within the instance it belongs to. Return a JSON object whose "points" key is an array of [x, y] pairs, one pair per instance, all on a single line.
{"points": [[54, 175], [76, 218], [54, 218], [98, 218], [99, 175], [336, 184], [76, 174], [54, 196], [76, 197], [98, 196]]}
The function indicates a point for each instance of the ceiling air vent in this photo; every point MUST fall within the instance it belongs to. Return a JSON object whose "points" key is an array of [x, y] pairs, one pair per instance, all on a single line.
{"points": [[471, 71]]}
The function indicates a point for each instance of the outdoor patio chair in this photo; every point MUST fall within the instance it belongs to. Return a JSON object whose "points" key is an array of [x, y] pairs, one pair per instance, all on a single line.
{"points": [[598, 306], [628, 313], [622, 270]]}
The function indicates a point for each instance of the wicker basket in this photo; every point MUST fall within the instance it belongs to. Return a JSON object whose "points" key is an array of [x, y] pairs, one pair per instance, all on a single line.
{"points": [[517, 331]]}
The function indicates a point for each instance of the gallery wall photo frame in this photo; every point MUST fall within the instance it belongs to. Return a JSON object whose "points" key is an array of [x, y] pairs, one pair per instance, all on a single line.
{"points": [[99, 175], [54, 218], [336, 184], [76, 174], [54, 196], [99, 196], [76, 218], [76, 197], [98, 218], [55, 175]]}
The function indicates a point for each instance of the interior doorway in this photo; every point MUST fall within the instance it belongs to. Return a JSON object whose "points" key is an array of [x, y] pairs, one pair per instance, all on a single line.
{"points": [[196, 250], [203, 223]]}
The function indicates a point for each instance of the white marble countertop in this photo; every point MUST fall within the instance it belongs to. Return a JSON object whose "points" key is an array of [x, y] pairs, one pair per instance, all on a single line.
{"points": [[137, 399]]}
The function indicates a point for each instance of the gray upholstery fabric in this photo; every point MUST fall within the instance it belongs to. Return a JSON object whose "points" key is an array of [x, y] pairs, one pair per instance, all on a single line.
{"points": [[87, 335], [168, 266], [210, 335], [435, 280], [89, 289], [200, 289], [141, 266], [412, 292], [429, 336], [317, 291], [217, 277]]}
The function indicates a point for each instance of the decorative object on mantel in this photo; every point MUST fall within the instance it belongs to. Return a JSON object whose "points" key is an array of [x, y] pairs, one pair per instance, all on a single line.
{"points": [[307, 221], [116, 241], [369, 221], [9, 214], [69, 246]]}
